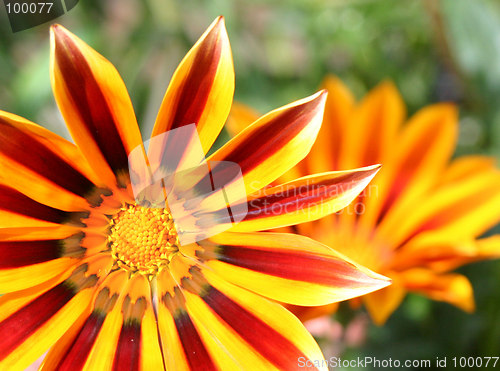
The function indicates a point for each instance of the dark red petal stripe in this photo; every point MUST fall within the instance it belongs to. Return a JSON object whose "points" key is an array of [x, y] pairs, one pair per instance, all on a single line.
{"points": [[32, 154], [196, 353], [18, 203], [16, 328], [292, 265], [14, 254], [267, 341], [128, 348], [79, 350], [268, 139], [193, 94], [90, 102]]}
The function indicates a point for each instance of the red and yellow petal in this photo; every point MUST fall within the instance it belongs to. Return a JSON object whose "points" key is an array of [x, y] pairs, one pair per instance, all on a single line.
{"points": [[202, 87], [31, 320], [242, 329], [128, 337], [275, 143], [286, 267], [50, 172], [15, 204], [95, 105], [26, 263], [182, 345], [304, 199], [73, 348]]}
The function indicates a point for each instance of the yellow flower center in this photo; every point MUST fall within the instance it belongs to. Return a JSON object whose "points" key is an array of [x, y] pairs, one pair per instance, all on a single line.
{"points": [[142, 239]]}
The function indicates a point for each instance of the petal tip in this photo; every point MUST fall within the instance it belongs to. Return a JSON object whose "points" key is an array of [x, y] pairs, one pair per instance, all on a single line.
{"points": [[321, 95], [57, 29], [317, 100], [218, 24]]}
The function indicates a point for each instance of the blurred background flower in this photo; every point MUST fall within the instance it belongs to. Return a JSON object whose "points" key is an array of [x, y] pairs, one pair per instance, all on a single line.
{"points": [[433, 50], [420, 217]]}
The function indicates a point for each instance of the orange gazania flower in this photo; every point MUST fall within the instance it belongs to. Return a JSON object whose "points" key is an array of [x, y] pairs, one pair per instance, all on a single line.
{"points": [[420, 217], [104, 283]]}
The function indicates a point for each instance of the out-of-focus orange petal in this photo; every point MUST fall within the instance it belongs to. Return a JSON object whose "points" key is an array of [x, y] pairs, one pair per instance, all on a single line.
{"points": [[202, 87], [433, 250], [419, 157], [370, 136], [451, 288], [463, 209], [240, 117], [307, 313], [325, 154], [458, 253], [371, 133], [381, 304], [464, 167]]}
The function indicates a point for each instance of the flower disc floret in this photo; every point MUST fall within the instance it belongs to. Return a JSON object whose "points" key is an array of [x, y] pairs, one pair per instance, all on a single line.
{"points": [[142, 239]]}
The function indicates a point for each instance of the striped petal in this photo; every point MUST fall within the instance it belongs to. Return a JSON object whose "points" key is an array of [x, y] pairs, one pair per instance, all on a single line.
{"points": [[304, 199], [274, 143], [16, 206], [21, 260], [250, 331], [202, 87], [95, 105], [183, 347], [51, 172], [286, 267], [128, 337], [32, 320], [72, 350]]}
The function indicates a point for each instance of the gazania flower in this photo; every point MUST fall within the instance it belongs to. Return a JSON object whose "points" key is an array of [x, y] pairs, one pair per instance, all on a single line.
{"points": [[421, 216], [104, 282]]}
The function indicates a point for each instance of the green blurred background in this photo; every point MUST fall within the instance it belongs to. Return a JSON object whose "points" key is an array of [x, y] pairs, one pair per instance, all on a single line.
{"points": [[435, 50]]}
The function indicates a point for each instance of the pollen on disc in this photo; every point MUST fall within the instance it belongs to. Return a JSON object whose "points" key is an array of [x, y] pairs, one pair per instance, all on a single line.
{"points": [[142, 239]]}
